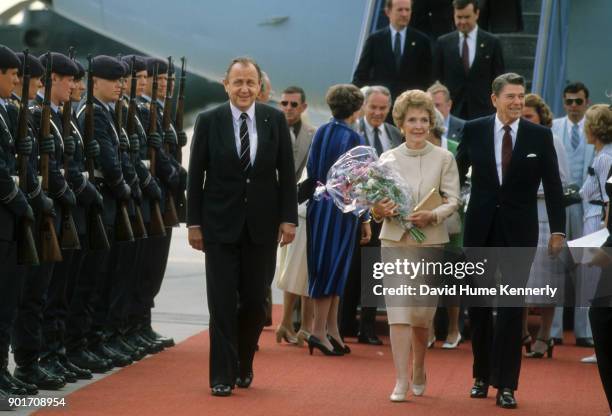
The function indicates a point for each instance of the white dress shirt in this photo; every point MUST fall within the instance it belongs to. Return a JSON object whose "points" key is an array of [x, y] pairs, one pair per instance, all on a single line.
{"points": [[499, 138], [250, 121], [471, 41], [382, 134], [402, 38]]}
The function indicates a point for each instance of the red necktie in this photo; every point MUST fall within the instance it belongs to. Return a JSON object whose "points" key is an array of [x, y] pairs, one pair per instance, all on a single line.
{"points": [[506, 150], [465, 55]]}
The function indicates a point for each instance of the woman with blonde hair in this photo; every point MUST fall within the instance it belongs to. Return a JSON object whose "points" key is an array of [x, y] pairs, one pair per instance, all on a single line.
{"points": [[423, 167]]}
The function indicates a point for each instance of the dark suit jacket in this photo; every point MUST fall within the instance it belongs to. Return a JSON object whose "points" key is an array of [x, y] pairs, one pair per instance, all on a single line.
{"points": [[392, 132], [455, 128], [516, 199], [377, 63], [433, 17], [471, 93], [221, 198]]}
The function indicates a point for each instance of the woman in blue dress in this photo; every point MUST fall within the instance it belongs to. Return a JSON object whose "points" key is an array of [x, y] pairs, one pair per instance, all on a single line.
{"points": [[330, 232]]}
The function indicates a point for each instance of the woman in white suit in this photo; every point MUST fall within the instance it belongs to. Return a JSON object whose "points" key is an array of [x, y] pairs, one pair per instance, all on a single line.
{"points": [[423, 166]]}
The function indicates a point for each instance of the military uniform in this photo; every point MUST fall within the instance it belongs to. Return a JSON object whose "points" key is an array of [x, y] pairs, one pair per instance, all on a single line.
{"points": [[13, 207]]}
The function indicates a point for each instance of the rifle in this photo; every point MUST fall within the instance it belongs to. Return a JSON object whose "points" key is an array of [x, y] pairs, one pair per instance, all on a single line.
{"points": [[170, 215], [98, 240], [178, 124], [140, 231], [26, 247], [123, 225], [156, 226], [69, 236], [49, 246]]}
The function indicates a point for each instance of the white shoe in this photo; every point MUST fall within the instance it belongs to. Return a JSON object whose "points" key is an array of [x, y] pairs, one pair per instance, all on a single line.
{"points": [[591, 359], [431, 343], [450, 346], [399, 392], [419, 389]]}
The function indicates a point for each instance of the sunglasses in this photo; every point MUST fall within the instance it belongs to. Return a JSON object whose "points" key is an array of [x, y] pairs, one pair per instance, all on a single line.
{"points": [[577, 101], [294, 104]]}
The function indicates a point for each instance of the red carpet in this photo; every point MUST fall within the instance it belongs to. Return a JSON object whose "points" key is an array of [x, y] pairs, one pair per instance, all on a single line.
{"points": [[290, 382]]}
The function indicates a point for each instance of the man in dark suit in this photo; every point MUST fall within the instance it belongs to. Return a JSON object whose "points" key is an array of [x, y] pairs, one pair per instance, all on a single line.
{"points": [[398, 57], [453, 126], [237, 215], [432, 17], [467, 61], [509, 158], [382, 136]]}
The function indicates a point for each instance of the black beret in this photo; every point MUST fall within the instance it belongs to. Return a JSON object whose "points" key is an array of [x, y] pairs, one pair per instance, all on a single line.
{"points": [[140, 62], [35, 67], [81, 69], [162, 66], [60, 64], [126, 68], [8, 58], [107, 67]]}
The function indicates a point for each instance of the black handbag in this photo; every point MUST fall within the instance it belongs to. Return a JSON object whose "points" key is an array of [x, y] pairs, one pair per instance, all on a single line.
{"points": [[571, 196]]}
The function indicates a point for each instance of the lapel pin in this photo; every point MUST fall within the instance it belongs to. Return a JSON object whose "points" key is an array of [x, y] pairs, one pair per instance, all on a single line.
{"points": [[482, 45], [413, 43]]}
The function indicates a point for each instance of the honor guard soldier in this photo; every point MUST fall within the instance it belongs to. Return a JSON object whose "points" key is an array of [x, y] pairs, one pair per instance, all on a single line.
{"points": [[172, 179], [65, 273], [82, 280], [14, 210], [107, 73], [135, 305], [27, 331]]}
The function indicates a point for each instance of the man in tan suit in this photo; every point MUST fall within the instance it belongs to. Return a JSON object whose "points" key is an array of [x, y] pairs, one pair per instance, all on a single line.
{"points": [[293, 104]]}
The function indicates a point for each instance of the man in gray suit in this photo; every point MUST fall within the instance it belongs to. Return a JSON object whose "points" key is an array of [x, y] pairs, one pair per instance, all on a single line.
{"points": [[580, 156], [442, 100], [382, 136]]}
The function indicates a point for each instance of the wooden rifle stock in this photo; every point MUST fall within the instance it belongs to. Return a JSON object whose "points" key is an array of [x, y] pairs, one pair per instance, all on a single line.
{"points": [[69, 236], [98, 239], [123, 225], [138, 225], [178, 124], [49, 245], [26, 247], [170, 215], [156, 226]]}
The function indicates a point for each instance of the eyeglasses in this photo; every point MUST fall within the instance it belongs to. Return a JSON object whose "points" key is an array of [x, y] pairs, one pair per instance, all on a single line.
{"points": [[577, 101], [294, 104]]}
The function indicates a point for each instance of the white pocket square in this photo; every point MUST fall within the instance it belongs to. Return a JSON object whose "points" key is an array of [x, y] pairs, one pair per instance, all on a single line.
{"points": [[532, 155]]}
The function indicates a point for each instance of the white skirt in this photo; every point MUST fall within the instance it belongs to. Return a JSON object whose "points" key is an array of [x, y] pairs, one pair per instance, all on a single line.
{"points": [[292, 267]]}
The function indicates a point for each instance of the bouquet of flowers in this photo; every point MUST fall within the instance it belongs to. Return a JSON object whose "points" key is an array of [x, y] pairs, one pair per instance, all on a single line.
{"points": [[358, 180]]}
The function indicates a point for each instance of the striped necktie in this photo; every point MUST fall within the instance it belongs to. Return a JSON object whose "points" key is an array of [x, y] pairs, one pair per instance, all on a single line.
{"points": [[575, 137], [245, 144]]}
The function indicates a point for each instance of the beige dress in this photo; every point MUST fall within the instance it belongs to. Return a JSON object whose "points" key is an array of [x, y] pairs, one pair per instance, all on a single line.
{"points": [[422, 169]]}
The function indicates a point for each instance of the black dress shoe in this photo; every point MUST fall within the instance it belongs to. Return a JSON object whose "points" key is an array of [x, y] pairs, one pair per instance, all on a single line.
{"points": [[81, 373], [82, 359], [480, 389], [585, 342], [52, 366], [117, 358], [369, 339], [33, 374], [149, 347], [337, 347], [221, 390], [8, 386], [558, 341], [30, 389], [244, 381], [167, 342], [505, 399]]}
